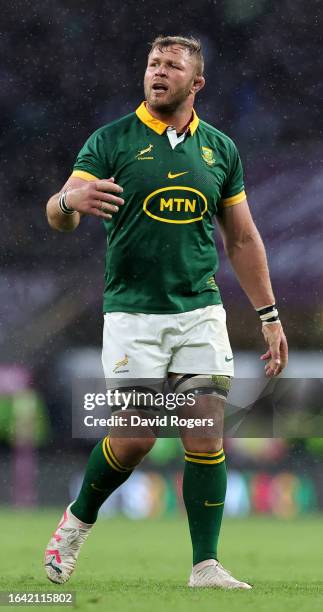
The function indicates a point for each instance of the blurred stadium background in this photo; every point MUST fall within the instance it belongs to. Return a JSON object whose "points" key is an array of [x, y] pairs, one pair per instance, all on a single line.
{"points": [[66, 69]]}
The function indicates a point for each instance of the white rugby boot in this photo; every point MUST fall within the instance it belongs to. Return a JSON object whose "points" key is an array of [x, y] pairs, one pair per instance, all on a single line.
{"points": [[64, 546], [210, 573]]}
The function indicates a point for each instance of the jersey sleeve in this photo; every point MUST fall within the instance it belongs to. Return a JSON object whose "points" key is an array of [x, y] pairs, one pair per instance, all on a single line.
{"points": [[92, 161], [233, 190]]}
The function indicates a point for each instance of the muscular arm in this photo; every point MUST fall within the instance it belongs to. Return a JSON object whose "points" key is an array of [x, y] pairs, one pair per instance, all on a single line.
{"points": [[246, 252], [56, 219], [85, 198]]}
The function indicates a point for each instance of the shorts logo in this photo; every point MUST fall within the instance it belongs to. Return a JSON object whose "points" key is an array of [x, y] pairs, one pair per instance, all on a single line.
{"points": [[208, 156], [120, 364], [176, 205], [143, 154]]}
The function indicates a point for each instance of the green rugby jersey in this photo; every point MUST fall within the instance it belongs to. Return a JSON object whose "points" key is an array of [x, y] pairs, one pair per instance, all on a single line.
{"points": [[161, 257]]}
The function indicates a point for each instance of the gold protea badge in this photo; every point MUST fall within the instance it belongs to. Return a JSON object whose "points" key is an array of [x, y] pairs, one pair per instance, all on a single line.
{"points": [[208, 156]]}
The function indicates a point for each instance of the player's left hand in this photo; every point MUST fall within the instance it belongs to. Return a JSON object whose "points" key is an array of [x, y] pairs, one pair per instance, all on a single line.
{"points": [[277, 353]]}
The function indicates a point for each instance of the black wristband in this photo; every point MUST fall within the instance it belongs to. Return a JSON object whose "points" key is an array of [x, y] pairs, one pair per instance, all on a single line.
{"points": [[63, 206], [268, 314]]}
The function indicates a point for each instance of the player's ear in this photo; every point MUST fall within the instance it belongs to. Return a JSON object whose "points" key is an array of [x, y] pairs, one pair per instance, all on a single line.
{"points": [[198, 83]]}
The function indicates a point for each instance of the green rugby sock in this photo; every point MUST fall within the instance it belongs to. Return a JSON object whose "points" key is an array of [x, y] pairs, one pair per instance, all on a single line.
{"points": [[104, 473], [204, 488]]}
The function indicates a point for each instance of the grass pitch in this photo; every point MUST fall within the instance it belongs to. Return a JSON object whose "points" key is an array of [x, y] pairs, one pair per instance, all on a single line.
{"points": [[143, 566]]}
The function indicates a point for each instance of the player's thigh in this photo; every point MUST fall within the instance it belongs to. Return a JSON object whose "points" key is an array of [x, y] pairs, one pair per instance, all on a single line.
{"points": [[135, 364], [203, 367], [202, 415], [132, 347]]}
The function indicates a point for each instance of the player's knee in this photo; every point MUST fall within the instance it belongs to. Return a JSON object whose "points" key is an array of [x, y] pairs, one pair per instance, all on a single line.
{"points": [[130, 451], [143, 445]]}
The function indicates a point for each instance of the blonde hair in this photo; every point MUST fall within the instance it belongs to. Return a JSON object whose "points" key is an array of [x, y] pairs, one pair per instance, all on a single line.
{"points": [[193, 45]]}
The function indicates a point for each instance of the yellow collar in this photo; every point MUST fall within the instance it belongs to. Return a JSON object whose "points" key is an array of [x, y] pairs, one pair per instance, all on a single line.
{"points": [[158, 126]]}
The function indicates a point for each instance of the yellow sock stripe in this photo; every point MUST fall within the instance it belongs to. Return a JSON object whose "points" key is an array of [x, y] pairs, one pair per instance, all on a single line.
{"points": [[205, 461], [204, 454], [108, 458], [124, 468]]}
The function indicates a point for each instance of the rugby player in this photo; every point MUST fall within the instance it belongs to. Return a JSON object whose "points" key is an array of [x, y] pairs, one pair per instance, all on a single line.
{"points": [[158, 178]]}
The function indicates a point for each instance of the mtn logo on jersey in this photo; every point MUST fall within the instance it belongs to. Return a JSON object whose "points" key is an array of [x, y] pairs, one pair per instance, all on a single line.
{"points": [[176, 205], [144, 153]]}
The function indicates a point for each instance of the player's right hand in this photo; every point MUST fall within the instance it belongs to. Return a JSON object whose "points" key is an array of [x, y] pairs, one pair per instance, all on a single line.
{"points": [[99, 198]]}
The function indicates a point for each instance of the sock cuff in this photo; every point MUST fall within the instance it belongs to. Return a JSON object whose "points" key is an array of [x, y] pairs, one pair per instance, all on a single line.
{"points": [[111, 458], [206, 458]]}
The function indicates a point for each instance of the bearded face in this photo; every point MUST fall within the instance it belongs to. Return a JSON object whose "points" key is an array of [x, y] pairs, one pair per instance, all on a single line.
{"points": [[169, 78]]}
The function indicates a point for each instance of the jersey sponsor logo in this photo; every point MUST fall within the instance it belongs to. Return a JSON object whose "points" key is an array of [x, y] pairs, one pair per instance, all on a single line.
{"points": [[176, 205], [144, 153], [120, 364], [208, 155], [170, 175]]}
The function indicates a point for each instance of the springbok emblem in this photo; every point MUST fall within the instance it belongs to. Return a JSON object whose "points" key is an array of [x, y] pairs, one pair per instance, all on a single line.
{"points": [[143, 151]]}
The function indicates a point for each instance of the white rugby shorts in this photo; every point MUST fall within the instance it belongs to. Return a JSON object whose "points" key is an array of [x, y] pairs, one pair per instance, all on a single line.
{"points": [[138, 345]]}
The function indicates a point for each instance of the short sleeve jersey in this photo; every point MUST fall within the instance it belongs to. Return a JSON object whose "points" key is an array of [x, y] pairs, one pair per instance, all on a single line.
{"points": [[161, 256]]}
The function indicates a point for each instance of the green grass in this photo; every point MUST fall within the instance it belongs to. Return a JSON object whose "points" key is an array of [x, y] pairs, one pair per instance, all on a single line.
{"points": [[143, 566]]}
